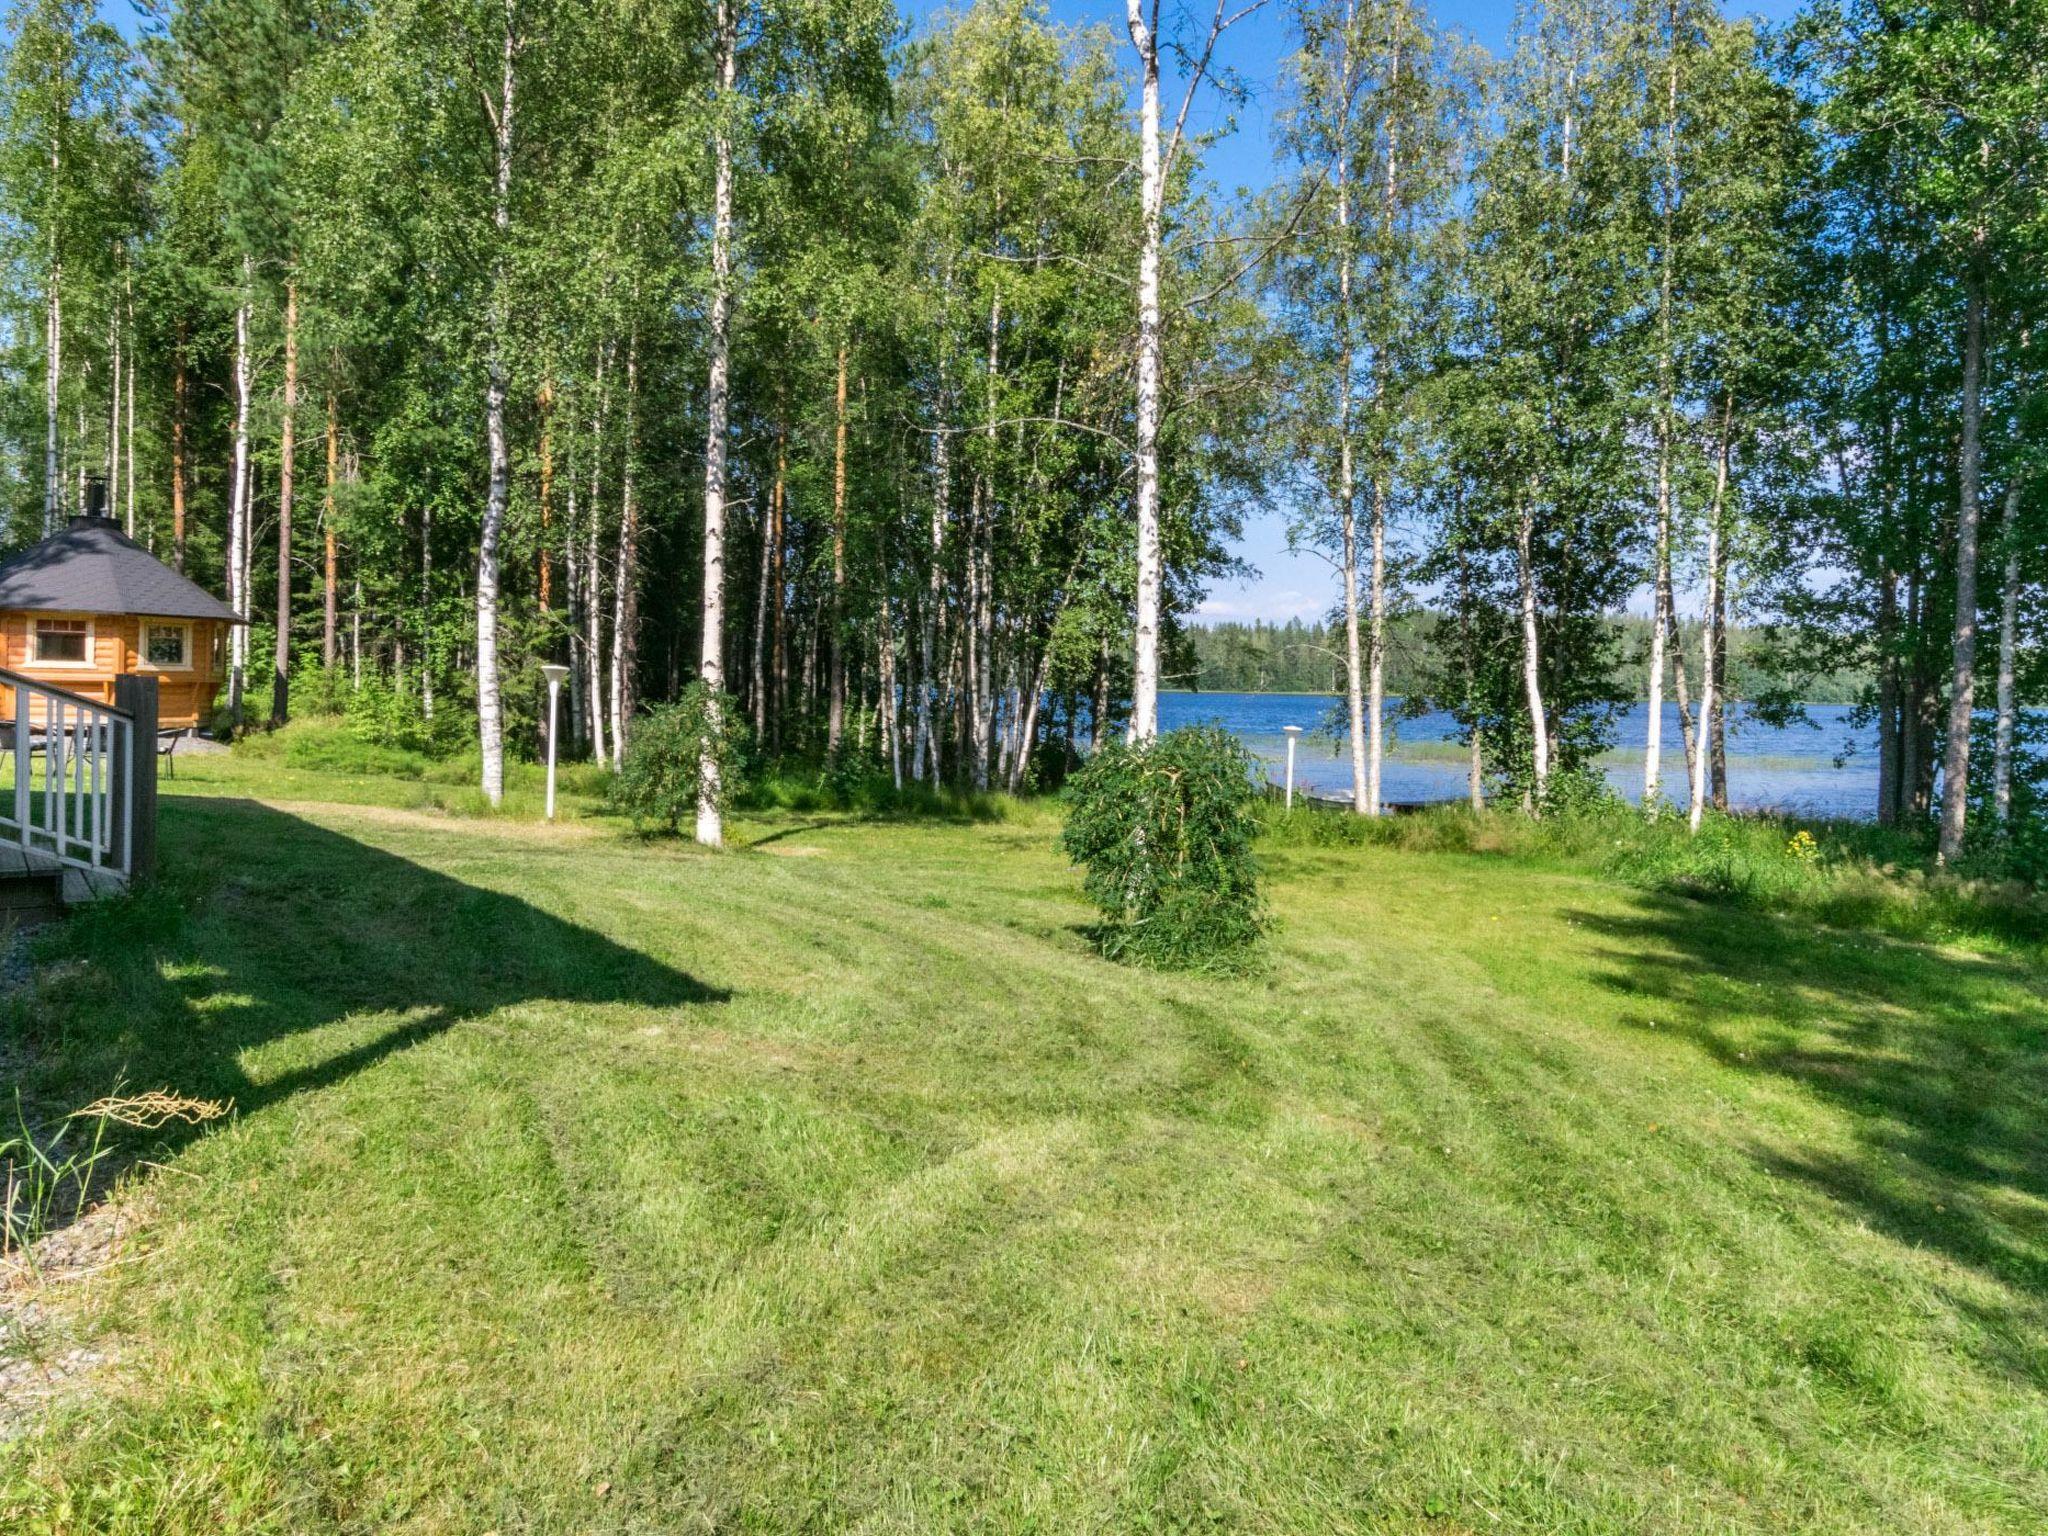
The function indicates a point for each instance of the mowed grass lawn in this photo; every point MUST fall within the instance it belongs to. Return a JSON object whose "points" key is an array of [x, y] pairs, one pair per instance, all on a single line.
{"points": [[834, 1184]]}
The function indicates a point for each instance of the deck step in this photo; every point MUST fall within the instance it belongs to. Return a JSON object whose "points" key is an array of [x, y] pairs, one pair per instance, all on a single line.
{"points": [[35, 888]]}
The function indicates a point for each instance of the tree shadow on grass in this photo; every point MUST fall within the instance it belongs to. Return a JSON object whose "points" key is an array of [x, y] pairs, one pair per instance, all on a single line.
{"points": [[264, 926], [1940, 1060]]}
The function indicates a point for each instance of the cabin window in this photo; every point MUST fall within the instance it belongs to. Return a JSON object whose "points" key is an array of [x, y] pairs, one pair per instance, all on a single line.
{"points": [[166, 645], [64, 641]]}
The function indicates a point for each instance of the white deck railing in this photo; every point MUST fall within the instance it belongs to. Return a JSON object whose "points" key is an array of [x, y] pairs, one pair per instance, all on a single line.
{"points": [[83, 815]]}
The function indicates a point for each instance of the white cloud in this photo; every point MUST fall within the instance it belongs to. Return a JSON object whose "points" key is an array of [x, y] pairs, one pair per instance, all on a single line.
{"points": [[1261, 602]]}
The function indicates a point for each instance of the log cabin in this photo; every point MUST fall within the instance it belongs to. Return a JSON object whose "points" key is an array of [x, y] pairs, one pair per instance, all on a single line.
{"points": [[88, 604]]}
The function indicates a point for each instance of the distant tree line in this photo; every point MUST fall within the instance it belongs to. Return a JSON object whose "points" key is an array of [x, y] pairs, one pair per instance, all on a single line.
{"points": [[1307, 656]]}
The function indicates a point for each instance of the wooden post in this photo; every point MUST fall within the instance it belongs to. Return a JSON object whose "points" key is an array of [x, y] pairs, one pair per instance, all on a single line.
{"points": [[134, 799]]}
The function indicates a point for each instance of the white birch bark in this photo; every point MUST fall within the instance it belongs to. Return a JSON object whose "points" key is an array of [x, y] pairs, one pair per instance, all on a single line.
{"points": [[572, 572], [626, 569], [982, 551], [935, 597], [489, 710], [593, 565], [1376, 648], [1955, 767], [1653, 736], [710, 822], [835, 709], [1152, 197], [926, 744], [281, 653], [1709, 667], [1532, 660], [238, 509]]}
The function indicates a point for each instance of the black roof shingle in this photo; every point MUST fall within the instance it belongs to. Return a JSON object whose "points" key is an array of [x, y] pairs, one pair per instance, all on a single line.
{"points": [[90, 566]]}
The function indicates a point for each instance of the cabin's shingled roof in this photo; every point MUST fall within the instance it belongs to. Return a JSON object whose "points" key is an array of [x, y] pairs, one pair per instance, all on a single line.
{"points": [[90, 566]]}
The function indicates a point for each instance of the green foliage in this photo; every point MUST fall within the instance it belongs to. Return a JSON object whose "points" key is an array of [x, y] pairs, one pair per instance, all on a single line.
{"points": [[1164, 831], [658, 784], [381, 714]]}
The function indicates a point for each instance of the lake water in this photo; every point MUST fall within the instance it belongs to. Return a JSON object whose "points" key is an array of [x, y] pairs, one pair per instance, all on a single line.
{"points": [[1825, 768]]}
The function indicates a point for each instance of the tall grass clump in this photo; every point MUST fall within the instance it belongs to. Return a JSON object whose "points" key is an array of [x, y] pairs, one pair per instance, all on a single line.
{"points": [[1163, 831], [47, 1175]]}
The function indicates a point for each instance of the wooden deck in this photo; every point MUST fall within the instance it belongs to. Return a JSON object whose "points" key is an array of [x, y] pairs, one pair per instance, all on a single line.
{"points": [[35, 887]]}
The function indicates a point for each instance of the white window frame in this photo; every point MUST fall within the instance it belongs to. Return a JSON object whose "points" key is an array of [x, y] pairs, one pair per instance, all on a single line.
{"points": [[142, 661], [92, 636]]}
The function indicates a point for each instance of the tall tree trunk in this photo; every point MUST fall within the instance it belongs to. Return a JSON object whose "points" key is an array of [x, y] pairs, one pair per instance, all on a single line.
{"points": [[1376, 645], [489, 709], [710, 820], [1363, 801], [113, 470], [1532, 657], [886, 710], [1660, 624], [593, 605], [1680, 690], [427, 610], [1888, 734], [1710, 667], [1717, 725], [757, 692], [980, 627], [626, 575], [935, 588], [572, 574], [53, 346], [835, 720], [330, 561], [1475, 774], [1152, 201], [178, 411], [2008, 641], [626, 680], [128, 437], [981, 549], [778, 647], [1912, 705], [1660, 577], [1376, 651], [1955, 768], [544, 402], [238, 508], [287, 461]]}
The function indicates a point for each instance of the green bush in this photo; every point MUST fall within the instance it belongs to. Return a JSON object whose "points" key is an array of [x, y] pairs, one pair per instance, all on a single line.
{"points": [[1164, 831], [657, 784]]}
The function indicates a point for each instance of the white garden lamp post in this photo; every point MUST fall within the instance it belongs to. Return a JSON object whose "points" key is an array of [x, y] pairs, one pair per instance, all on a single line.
{"points": [[554, 674], [1293, 735]]}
